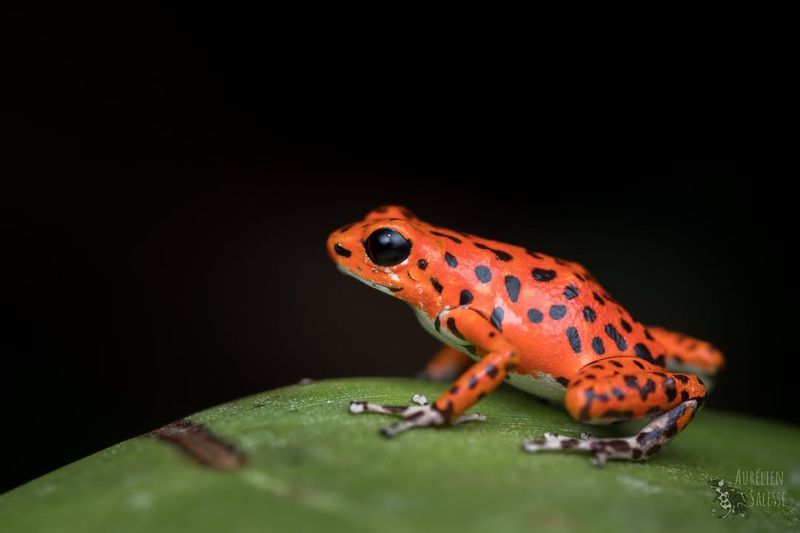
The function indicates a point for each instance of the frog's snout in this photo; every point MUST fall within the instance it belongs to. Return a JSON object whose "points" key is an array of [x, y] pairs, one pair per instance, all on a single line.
{"points": [[340, 247]]}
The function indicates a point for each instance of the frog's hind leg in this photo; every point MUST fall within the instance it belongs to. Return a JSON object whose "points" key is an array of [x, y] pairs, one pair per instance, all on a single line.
{"points": [[638, 447], [626, 388], [446, 365], [687, 354]]}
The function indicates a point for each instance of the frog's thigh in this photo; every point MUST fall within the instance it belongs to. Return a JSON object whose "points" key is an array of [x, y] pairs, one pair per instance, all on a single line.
{"points": [[624, 388]]}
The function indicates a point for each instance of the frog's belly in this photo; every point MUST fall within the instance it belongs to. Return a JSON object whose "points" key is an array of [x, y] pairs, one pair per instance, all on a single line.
{"points": [[542, 385], [539, 384]]}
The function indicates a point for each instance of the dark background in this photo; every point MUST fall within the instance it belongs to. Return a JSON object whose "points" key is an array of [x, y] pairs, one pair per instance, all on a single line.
{"points": [[171, 178]]}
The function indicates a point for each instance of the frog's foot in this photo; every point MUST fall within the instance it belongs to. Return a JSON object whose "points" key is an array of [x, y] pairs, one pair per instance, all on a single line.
{"points": [[600, 449], [621, 388], [641, 446], [423, 414]]}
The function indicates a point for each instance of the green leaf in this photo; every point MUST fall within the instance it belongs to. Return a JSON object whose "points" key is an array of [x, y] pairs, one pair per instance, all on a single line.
{"points": [[310, 465]]}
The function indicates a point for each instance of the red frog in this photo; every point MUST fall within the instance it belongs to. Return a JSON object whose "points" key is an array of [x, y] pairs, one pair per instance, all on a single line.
{"points": [[542, 324]]}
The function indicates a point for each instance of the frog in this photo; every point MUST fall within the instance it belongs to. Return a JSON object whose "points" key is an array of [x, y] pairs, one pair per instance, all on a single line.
{"points": [[507, 314]]}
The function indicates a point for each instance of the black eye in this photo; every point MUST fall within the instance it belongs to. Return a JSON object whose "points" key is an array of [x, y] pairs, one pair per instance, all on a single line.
{"points": [[386, 247]]}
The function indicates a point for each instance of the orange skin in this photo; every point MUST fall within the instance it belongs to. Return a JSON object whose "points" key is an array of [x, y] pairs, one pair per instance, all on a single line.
{"points": [[528, 314], [446, 364]]}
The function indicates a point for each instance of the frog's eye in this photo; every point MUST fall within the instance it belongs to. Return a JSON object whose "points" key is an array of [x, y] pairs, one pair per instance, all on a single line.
{"points": [[386, 247]]}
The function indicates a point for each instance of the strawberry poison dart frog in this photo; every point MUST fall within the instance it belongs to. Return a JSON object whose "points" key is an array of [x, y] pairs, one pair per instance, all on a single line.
{"points": [[544, 325]]}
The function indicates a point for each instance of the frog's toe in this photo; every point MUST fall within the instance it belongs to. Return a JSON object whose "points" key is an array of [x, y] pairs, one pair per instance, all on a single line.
{"points": [[358, 407], [552, 441], [600, 449], [422, 414], [469, 417], [425, 415], [596, 447], [415, 416], [599, 458], [420, 399]]}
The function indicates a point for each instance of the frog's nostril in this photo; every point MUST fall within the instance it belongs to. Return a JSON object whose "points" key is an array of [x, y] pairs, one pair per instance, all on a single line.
{"points": [[341, 250]]}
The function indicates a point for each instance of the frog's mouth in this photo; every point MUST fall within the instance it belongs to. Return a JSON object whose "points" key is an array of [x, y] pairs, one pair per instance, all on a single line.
{"points": [[392, 289], [383, 288]]}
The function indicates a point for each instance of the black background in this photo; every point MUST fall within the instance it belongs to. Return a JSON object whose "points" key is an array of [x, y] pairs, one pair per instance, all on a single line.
{"points": [[172, 176]]}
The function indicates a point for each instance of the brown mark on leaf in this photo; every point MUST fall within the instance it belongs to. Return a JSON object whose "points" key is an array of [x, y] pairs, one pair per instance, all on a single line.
{"points": [[200, 444]]}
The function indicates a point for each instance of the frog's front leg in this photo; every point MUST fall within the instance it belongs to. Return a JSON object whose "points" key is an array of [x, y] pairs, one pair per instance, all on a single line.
{"points": [[497, 357], [625, 388]]}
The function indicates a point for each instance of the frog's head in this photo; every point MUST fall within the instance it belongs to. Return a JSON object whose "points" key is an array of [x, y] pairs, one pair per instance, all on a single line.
{"points": [[385, 250]]}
